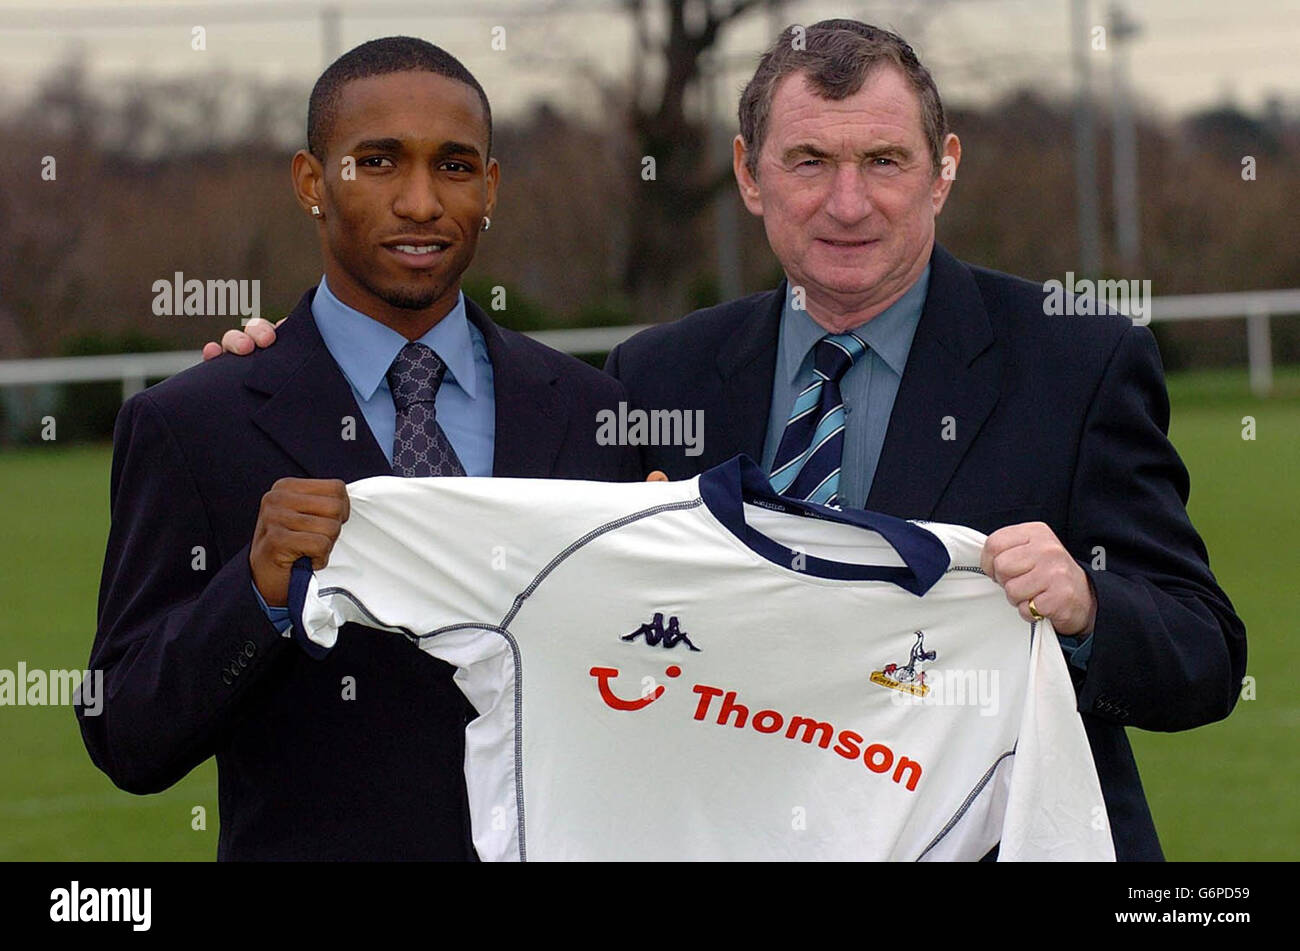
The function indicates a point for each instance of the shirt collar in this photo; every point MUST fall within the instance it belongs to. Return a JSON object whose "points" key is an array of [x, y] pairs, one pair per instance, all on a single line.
{"points": [[889, 334], [364, 348]]}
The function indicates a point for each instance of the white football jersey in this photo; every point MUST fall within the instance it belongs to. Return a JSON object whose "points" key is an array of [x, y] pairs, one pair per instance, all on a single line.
{"points": [[705, 670]]}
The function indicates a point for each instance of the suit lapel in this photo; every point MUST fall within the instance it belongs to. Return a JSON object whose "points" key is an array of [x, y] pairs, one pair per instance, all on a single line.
{"points": [[309, 399], [746, 363], [531, 417], [952, 370]]}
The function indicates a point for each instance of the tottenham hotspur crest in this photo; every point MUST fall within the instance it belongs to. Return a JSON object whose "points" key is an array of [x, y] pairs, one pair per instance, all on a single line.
{"points": [[909, 678]]}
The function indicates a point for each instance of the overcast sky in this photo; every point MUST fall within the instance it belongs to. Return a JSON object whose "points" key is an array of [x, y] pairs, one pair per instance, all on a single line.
{"points": [[1188, 54]]}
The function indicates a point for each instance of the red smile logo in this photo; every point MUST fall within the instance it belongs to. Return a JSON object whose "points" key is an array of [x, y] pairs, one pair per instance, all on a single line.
{"points": [[603, 676]]}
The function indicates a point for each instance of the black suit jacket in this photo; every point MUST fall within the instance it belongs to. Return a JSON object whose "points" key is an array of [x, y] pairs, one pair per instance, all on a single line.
{"points": [[357, 756], [1062, 420]]}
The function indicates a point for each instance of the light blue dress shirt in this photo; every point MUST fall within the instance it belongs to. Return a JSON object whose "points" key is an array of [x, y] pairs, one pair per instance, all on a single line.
{"points": [[364, 349], [868, 388]]}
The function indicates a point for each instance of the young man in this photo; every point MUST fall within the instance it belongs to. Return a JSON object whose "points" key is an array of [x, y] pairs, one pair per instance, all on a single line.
{"points": [[227, 473]]}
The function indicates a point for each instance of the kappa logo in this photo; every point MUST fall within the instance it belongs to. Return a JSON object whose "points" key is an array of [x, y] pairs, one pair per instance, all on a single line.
{"points": [[909, 678], [655, 633]]}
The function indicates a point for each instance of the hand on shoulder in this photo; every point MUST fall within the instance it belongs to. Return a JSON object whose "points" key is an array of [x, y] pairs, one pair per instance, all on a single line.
{"points": [[258, 333]]}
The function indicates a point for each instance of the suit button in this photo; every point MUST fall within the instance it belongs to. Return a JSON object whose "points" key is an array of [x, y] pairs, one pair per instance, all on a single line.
{"points": [[225, 678], [242, 661], [249, 648]]}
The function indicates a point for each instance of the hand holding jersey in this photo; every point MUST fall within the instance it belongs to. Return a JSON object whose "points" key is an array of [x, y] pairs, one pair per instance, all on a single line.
{"points": [[1039, 575], [297, 518], [301, 518]]}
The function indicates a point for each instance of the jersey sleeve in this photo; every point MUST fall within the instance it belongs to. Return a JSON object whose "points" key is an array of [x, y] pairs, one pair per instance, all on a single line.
{"points": [[1054, 811]]}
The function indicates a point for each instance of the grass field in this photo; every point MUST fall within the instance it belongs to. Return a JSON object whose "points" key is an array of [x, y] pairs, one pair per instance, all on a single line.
{"points": [[1223, 791]]}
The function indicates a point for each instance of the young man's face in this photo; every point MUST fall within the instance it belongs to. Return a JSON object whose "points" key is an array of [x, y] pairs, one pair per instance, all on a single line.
{"points": [[399, 235], [847, 190]]}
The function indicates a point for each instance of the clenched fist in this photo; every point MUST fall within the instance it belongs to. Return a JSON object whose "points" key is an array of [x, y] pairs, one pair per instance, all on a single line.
{"points": [[297, 517], [1031, 564]]}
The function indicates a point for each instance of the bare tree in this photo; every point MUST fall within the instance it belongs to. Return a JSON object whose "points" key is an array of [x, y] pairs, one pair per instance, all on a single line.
{"points": [[663, 244]]}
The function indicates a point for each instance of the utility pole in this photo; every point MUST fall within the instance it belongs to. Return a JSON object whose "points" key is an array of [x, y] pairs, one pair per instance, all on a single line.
{"points": [[1124, 137], [1085, 144]]}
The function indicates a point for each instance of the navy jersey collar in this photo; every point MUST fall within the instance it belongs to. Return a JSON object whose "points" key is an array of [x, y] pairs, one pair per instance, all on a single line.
{"points": [[726, 488]]}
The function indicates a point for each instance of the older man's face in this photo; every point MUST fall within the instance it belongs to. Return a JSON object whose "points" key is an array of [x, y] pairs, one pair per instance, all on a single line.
{"points": [[847, 192]]}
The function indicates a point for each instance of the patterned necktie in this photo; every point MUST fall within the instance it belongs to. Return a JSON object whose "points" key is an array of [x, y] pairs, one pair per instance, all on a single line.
{"points": [[807, 463], [420, 447]]}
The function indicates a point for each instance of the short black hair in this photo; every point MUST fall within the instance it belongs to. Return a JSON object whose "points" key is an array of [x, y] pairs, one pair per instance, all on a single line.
{"points": [[391, 54]]}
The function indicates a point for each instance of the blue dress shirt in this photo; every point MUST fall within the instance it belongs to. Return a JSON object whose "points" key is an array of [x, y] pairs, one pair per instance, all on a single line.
{"points": [[868, 388], [364, 349]]}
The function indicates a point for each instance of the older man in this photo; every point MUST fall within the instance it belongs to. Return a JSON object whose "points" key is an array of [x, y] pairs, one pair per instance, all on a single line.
{"points": [[886, 374]]}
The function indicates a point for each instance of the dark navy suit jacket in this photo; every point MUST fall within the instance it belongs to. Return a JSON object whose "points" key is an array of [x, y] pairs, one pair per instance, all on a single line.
{"points": [[194, 669], [1062, 420]]}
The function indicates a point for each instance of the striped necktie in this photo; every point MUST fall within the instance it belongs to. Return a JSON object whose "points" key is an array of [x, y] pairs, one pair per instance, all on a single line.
{"points": [[807, 464], [420, 447]]}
